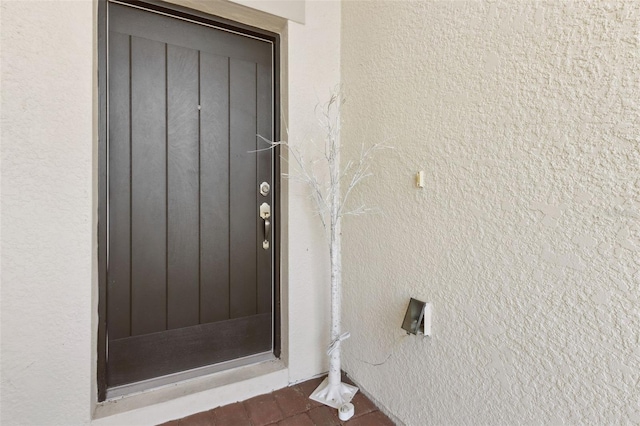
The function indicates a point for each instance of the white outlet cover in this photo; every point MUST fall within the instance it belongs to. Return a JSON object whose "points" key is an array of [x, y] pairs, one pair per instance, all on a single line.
{"points": [[427, 319]]}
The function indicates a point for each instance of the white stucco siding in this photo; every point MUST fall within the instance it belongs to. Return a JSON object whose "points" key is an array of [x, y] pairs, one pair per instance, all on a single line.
{"points": [[314, 71], [47, 216], [289, 9], [526, 237]]}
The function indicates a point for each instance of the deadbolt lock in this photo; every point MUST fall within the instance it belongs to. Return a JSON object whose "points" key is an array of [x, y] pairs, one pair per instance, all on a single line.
{"points": [[264, 188], [265, 211]]}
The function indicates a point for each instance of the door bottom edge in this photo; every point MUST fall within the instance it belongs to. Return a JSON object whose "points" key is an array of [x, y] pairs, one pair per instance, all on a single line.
{"points": [[182, 376], [268, 372]]}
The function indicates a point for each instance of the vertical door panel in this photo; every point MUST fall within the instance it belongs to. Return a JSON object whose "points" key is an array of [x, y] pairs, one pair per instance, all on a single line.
{"points": [[149, 201], [119, 273], [214, 188], [183, 181], [243, 188]]}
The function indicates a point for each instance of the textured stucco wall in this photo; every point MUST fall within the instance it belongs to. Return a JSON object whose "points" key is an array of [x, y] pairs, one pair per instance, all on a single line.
{"points": [[525, 117], [47, 227], [290, 9], [48, 294], [314, 70]]}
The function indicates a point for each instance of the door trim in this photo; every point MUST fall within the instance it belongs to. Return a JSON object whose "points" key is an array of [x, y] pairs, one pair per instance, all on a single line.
{"points": [[218, 23], [184, 17]]}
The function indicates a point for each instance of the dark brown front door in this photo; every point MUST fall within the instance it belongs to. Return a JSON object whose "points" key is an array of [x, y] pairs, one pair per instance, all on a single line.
{"points": [[189, 280]]}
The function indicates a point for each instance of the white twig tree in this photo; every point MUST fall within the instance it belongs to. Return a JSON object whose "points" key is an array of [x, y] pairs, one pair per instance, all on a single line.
{"points": [[325, 178]]}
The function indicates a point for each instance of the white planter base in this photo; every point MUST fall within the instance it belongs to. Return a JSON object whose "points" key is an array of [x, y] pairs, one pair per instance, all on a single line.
{"points": [[334, 396]]}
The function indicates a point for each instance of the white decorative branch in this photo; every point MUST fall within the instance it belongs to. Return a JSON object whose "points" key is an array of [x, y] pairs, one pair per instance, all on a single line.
{"points": [[331, 207]]}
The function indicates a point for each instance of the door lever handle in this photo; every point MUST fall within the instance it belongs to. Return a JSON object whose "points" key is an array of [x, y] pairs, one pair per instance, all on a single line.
{"points": [[265, 214], [267, 232]]}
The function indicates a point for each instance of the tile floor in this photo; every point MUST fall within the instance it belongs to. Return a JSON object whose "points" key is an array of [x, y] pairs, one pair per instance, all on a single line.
{"points": [[287, 407]]}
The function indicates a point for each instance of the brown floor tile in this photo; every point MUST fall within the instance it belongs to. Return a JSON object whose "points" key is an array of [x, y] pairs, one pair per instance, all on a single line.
{"points": [[324, 416], [307, 388], [231, 415], [263, 410], [375, 418], [287, 407], [297, 420], [292, 401], [362, 404], [200, 419]]}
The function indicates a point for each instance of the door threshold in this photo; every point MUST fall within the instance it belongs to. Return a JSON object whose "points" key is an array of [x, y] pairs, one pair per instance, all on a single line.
{"points": [[196, 394], [169, 379]]}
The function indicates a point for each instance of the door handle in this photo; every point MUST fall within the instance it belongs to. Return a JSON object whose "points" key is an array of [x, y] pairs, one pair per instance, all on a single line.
{"points": [[267, 231], [265, 214]]}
